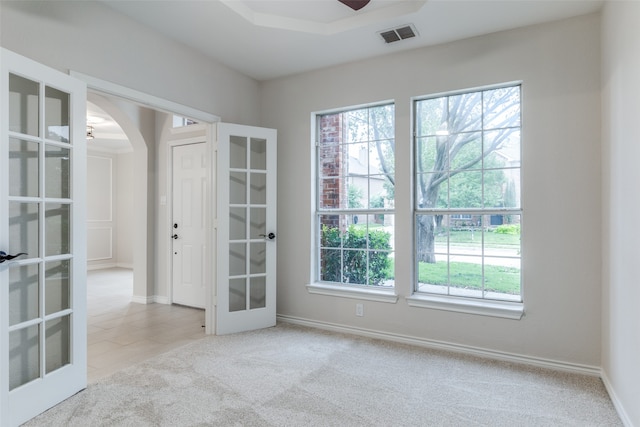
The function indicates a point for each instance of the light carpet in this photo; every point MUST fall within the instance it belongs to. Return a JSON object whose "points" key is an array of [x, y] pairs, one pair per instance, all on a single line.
{"points": [[296, 376]]}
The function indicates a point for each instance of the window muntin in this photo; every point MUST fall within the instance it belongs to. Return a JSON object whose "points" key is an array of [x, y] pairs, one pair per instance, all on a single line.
{"points": [[355, 197], [467, 194]]}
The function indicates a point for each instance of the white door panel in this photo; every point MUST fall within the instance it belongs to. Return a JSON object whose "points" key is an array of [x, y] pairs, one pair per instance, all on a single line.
{"points": [[190, 211], [246, 268], [43, 345]]}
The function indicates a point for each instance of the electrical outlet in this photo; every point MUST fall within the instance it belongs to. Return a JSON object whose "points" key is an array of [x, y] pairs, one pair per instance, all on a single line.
{"points": [[359, 310]]}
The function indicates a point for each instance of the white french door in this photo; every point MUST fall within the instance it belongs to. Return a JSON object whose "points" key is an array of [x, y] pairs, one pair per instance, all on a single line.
{"points": [[190, 195], [43, 344], [246, 232]]}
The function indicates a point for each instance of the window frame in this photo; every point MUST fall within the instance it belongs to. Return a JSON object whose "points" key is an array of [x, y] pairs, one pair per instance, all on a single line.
{"points": [[466, 304], [349, 290]]}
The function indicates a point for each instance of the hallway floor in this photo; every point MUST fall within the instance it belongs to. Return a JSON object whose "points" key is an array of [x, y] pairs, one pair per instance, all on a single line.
{"points": [[121, 333]]}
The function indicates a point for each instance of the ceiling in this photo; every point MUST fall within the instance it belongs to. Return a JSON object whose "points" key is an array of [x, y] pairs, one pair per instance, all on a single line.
{"points": [[266, 39]]}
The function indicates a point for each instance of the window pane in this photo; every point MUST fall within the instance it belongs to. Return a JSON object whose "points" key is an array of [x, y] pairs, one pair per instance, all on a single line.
{"points": [[465, 151], [429, 151], [431, 116], [356, 164], [465, 112], [58, 343], [56, 114], [465, 190], [57, 229], [432, 191], [258, 292], [24, 228], [502, 107], [24, 173], [24, 300], [502, 148], [238, 152], [24, 107], [237, 294], [57, 172], [258, 154], [57, 286], [237, 188], [24, 355]]}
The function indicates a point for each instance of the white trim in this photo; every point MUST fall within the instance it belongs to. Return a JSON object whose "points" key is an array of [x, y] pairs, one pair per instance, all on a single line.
{"points": [[142, 300], [594, 371], [145, 99], [158, 299], [483, 307], [91, 267], [346, 291], [624, 417]]}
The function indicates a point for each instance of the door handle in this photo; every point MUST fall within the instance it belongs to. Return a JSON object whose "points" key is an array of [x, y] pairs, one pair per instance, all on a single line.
{"points": [[5, 257], [269, 236], [174, 237]]}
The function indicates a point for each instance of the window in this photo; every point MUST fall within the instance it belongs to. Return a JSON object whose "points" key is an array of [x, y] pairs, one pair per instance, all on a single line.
{"points": [[355, 197], [467, 194]]}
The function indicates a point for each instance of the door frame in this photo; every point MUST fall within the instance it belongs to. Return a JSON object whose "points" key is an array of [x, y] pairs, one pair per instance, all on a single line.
{"points": [[103, 87], [207, 140]]}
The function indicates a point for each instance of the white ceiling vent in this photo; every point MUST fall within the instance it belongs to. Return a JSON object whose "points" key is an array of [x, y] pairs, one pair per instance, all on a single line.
{"points": [[397, 34]]}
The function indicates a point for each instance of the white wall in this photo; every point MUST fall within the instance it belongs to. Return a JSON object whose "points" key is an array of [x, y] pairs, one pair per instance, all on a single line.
{"points": [[102, 205], [559, 64], [124, 212], [88, 37], [621, 207]]}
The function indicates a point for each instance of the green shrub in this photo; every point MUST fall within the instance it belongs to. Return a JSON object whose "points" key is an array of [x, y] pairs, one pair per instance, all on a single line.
{"points": [[508, 229], [345, 261]]}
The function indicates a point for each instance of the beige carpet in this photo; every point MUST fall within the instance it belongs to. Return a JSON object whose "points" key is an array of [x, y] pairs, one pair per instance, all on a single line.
{"points": [[295, 376]]}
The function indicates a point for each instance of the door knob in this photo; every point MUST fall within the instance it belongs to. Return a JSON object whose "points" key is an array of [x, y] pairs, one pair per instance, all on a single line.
{"points": [[5, 257], [269, 236], [175, 236]]}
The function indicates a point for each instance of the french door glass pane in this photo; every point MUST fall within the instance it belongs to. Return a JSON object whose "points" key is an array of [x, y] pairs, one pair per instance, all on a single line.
{"points": [[257, 258], [56, 114], [24, 298], [57, 286], [58, 343], [238, 152], [238, 188], [237, 259], [24, 101], [258, 189], [57, 222], [258, 224], [24, 228], [237, 223], [258, 291], [24, 355], [237, 294], [258, 154], [57, 172], [24, 175]]}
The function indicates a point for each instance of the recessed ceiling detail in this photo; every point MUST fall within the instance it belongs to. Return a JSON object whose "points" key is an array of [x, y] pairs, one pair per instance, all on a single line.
{"points": [[320, 16]]}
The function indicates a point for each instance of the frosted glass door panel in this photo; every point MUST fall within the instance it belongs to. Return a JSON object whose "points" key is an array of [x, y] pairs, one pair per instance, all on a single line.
{"points": [[24, 301], [56, 114], [24, 355], [57, 169], [24, 177], [24, 105], [57, 284], [58, 238], [24, 228]]}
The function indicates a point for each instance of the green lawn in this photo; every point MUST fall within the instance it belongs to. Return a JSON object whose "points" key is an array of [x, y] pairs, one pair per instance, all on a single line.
{"points": [[474, 238], [467, 275]]}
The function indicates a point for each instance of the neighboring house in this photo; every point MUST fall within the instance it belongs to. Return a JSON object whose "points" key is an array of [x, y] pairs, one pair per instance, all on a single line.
{"points": [[580, 150]]}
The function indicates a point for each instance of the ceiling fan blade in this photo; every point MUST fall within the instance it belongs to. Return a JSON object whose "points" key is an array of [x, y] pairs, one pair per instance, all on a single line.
{"points": [[355, 4]]}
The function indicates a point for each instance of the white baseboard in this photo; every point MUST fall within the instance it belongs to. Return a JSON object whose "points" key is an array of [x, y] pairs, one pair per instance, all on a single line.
{"points": [[616, 402], [161, 300], [442, 345], [125, 265], [91, 267], [142, 300]]}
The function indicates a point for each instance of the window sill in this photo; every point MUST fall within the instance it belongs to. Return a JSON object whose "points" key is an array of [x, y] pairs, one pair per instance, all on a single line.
{"points": [[357, 292], [503, 309]]}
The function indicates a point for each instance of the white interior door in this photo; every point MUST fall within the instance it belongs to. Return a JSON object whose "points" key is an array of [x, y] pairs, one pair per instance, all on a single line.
{"points": [[246, 232], [43, 346], [189, 232]]}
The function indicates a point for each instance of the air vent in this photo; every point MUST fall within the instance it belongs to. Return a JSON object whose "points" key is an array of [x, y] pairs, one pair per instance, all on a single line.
{"points": [[397, 34]]}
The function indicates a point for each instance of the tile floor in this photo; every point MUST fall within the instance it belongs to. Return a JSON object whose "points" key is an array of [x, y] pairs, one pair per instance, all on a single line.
{"points": [[121, 333]]}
